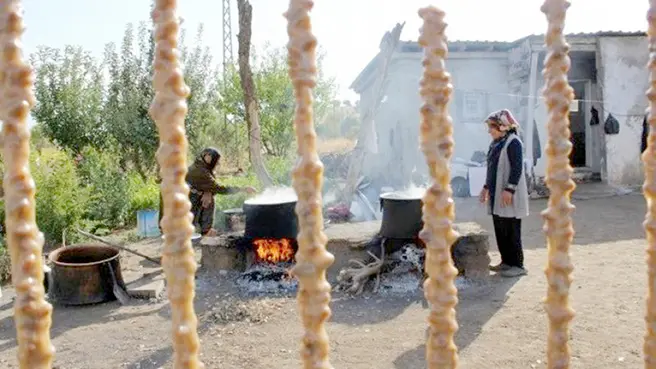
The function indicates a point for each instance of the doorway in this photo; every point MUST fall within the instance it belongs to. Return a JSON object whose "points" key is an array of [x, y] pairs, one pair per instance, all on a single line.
{"points": [[577, 118]]}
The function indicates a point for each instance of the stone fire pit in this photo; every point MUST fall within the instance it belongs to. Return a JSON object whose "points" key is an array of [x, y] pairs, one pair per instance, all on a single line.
{"points": [[348, 241]]}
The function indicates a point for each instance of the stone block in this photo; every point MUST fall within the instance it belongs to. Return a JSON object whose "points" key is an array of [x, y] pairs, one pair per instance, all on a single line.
{"points": [[146, 288], [470, 252], [352, 235], [348, 241], [222, 253]]}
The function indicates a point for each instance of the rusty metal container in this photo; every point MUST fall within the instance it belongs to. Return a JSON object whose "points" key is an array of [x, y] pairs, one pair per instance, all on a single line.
{"points": [[80, 274]]}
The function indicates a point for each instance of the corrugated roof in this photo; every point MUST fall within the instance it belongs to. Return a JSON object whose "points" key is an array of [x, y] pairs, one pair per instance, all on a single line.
{"points": [[596, 34], [490, 46], [413, 46], [585, 35]]}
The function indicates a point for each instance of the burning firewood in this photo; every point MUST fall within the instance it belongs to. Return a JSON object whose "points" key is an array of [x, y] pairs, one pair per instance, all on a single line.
{"points": [[355, 278]]}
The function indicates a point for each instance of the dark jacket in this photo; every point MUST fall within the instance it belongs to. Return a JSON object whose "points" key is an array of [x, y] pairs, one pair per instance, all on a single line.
{"points": [[515, 156], [201, 178]]}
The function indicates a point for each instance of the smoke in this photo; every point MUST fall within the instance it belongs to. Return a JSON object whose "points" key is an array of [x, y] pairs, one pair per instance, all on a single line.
{"points": [[330, 197], [409, 193], [274, 195]]}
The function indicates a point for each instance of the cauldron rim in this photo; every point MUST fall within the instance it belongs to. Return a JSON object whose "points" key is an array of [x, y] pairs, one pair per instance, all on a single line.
{"points": [[250, 203], [62, 250], [386, 196]]}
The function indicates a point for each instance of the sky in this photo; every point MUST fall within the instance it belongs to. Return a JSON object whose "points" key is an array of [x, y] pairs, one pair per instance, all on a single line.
{"points": [[349, 31]]}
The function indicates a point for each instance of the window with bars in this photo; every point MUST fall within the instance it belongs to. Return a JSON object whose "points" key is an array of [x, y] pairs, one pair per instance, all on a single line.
{"points": [[473, 105]]}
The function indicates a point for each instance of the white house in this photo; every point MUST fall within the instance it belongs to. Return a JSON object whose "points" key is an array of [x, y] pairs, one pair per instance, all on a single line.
{"points": [[608, 74]]}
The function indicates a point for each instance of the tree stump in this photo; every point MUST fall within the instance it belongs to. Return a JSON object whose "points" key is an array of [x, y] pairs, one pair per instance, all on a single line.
{"points": [[470, 251]]}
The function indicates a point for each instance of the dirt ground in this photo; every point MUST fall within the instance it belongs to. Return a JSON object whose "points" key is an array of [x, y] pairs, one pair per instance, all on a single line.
{"points": [[502, 324]]}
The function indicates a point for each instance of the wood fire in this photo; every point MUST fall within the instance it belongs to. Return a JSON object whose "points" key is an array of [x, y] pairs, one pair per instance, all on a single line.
{"points": [[274, 250]]}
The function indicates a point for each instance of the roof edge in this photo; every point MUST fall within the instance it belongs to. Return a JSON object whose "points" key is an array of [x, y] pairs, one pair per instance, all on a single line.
{"points": [[484, 45]]}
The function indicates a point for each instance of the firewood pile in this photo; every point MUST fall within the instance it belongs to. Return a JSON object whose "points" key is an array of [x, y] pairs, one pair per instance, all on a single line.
{"points": [[409, 259]]}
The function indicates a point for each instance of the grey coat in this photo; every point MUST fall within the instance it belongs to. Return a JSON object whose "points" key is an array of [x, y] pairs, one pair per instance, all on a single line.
{"points": [[519, 207]]}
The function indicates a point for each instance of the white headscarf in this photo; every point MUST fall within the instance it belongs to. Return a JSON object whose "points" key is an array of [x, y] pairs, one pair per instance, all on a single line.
{"points": [[503, 119]]}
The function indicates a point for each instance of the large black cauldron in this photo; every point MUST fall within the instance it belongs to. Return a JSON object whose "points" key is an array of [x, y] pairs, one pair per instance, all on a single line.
{"points": [[401, 216], [271, 220]]}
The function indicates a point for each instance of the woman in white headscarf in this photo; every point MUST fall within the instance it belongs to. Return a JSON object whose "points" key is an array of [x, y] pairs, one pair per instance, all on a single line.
{"points": [[505, 191]]}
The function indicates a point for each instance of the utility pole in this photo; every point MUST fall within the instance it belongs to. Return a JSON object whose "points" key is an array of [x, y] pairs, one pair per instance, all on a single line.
{"points": [[228, 57]]}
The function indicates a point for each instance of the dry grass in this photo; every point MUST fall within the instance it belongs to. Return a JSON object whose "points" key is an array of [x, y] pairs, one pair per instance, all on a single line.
{"points": [[334, 145]]}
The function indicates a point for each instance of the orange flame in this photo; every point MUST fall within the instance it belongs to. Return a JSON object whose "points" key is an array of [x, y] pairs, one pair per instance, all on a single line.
{"points": [[274, 250]]}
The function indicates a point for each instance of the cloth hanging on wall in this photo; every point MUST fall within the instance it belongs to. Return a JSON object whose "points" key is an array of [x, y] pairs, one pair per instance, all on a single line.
{"points": [[594, 120], [611, 126], [537, 147], [645, 134]]}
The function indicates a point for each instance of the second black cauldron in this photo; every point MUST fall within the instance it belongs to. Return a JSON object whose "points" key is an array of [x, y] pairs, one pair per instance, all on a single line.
{"points": [[401, 215]]}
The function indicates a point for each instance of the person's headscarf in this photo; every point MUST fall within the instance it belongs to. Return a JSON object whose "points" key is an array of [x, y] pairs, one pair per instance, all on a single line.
{"points": [[214, 153], [503, 120]]}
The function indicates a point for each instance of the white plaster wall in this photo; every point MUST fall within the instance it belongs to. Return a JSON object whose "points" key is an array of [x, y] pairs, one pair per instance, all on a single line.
{"points": [[399, 110], [541, 125], [624, 81], [484, 74]]}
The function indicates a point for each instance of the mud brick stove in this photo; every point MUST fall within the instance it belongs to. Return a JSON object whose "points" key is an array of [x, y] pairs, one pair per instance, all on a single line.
{"points": [[402, 222], [398, 242], [266, 247], [261, 243]]}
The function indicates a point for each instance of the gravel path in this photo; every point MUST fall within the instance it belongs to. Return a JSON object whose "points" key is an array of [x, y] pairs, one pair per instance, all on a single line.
{"points": [[502, 324]]}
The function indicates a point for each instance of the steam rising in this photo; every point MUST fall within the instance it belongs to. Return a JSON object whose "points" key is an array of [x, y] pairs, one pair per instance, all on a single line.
{"points": [[410, 193], [274, 195]]}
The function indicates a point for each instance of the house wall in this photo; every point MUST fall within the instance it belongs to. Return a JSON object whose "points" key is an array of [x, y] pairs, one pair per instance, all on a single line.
{"points": [[624, 80], [478, 77], [484, 79], [582, 69], [614, 67], [618, 83], [397, 126]]}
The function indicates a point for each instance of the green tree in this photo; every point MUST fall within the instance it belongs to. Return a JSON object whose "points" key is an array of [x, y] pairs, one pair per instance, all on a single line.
{"points": [[252, 113], [69, 93], [131, 93], [60, 199], [76, 109], [202, 77], [108, 186], [276, 99], [340, 120]]}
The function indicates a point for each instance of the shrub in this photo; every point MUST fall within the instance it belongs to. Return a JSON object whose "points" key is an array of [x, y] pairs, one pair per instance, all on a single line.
{"points": [[60, 200], [280, 169], [224, 202], [108, 186], [143, 195]]}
